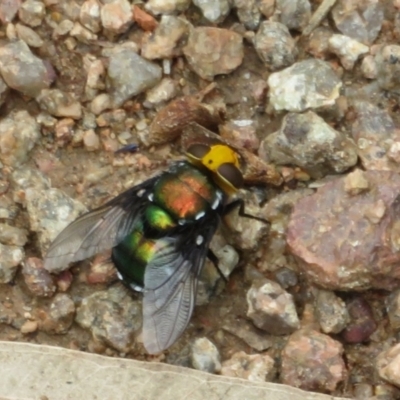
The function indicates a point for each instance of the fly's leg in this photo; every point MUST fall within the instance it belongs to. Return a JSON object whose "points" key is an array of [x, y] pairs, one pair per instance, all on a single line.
{"points": [[239, 203], [214, 259]]}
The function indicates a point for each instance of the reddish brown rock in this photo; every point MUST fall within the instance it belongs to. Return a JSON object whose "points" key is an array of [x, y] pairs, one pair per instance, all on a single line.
{"points": [[312, 361], [39, 281], [64, 280], [242, 132], [362, 324], [59, 316], [347, 235], [213, 51], [102, 270], [146, 21]]}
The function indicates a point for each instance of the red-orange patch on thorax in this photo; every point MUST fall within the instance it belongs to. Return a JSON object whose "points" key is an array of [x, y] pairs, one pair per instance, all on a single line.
{"points": [[185, 192], [198, 184], [180, 200]]}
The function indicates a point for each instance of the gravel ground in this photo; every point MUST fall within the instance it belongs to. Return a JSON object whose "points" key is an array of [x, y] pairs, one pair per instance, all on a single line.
{"points": [[307, 91]]}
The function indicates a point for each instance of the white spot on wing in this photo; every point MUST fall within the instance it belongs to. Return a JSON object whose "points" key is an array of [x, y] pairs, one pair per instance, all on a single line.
{"points": [[199, 240], [151, 197], [120, 277]]}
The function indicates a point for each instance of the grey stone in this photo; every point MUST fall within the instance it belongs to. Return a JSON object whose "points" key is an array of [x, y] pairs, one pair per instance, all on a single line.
{"points": [[376, 137], [307, 141], [19, 133], [204, 356], [32, 12], [10, 258], [22, 70], [248, 12], [271, 308], [387, 62], [163, 42], [360, 19], [214, 10], [393, 309], [274, 45], [12, 235], [50, 211], [59, 103], [29, 36], [295, 14], [130, 74], [347, 49], [331, 312], [167, 7], [112, 316], [306, 84]]}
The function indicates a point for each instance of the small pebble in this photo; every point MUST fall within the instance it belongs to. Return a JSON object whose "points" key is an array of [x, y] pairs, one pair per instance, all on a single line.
{"points": [[91, 141], [39, 281], [253, 367], [116, 16], [29, 327], [271, 308], [205, 356], [347, 49], [32, 12], [331, 312], [213, 51]]}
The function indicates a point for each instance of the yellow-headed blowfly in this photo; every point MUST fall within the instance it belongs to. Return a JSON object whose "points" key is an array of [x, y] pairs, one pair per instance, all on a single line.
{"points": [[159, 232]]}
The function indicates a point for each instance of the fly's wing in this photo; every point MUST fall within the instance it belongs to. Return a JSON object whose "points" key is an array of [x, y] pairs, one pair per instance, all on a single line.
{"points": [[100, 229], [170, 285]]}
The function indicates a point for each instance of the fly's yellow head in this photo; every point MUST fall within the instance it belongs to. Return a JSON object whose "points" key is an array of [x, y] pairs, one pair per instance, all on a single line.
{"points": [[222, 161]]}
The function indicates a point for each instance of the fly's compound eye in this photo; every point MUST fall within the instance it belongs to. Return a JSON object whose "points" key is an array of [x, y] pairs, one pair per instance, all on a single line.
{"points": [[197, 151], [231, 174]]}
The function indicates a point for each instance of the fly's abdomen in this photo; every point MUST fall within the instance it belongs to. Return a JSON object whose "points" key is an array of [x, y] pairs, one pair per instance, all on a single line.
{"points": [[138, 249], [131, 257], [158, 219]]}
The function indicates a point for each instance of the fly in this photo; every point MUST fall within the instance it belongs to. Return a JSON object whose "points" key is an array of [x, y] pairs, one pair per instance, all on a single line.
{"points": [[159, 232]]}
